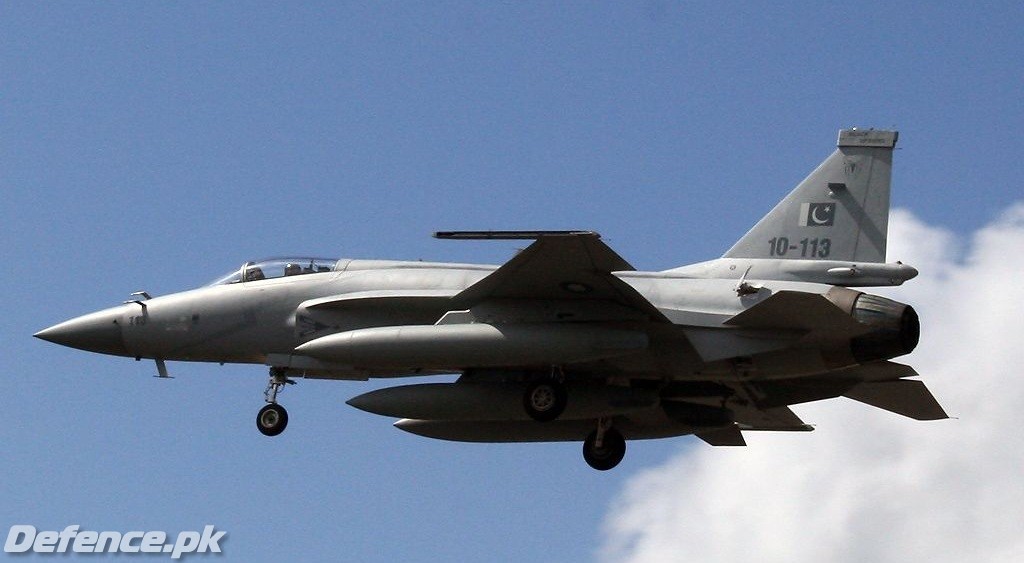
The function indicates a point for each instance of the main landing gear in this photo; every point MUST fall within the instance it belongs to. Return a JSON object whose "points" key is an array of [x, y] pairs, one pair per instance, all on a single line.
{"points": [[272, 418], [544, 401], [605, 447], [545, 398]]}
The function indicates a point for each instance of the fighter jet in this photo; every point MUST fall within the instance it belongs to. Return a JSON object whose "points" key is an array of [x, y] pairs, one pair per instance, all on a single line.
{"points": [[567, 341]]}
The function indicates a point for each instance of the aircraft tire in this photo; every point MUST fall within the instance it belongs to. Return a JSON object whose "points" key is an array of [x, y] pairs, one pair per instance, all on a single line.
{"points": [[545, 400], [272, 420], [609, 454]]}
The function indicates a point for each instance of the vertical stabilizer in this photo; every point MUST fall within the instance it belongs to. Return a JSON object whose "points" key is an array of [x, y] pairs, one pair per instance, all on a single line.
{"points": [[840, 212]]}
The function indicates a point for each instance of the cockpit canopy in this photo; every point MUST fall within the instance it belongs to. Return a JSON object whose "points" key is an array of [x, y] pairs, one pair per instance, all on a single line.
{"points": [[277, 268]]}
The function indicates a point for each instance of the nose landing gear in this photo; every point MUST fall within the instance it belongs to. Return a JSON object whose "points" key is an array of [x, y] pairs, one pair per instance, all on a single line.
{"points": [[272, 418]]}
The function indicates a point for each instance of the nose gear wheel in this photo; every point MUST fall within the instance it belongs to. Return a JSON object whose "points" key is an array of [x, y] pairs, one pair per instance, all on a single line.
{"points": [[273, 418]]}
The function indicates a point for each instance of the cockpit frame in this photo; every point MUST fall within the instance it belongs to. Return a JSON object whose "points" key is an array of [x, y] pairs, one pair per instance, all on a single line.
{"points": [[272, 268]]}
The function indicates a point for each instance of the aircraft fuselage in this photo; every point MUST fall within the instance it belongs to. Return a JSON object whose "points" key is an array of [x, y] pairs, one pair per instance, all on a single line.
{"points": [[264, 321]]}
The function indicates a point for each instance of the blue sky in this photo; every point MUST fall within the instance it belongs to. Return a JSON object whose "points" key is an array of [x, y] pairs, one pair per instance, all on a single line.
{"points": [[157, 145]]}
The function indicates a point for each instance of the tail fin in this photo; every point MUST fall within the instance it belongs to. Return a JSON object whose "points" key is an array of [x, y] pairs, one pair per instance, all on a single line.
{"points": [[839, 212]]}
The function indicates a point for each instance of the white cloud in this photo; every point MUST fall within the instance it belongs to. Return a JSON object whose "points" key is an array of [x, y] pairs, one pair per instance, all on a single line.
{"points": [[869, 485]]}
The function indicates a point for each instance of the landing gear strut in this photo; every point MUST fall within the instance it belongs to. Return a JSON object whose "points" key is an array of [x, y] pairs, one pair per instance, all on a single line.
{"points": [[605, 447], [272, 418]]}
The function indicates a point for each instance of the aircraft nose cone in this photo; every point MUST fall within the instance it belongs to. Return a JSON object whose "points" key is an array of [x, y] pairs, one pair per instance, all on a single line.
{"points": [[95, 332]]}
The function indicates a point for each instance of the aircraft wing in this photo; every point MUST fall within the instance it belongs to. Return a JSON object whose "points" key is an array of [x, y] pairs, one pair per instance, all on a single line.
{"points": [[558, 266]]}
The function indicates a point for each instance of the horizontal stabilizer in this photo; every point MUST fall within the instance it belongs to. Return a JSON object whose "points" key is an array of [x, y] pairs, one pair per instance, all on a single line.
{"points": [[826, 385], [797, 310], [876, 371], [728, 436], [906, 397], [779, 419]]}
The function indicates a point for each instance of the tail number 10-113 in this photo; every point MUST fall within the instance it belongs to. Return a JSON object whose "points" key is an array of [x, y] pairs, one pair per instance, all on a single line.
{"points": [[807, 248]]}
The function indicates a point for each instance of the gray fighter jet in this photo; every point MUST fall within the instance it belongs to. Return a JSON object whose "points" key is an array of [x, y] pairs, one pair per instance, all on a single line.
{"points": [[567, 341]]}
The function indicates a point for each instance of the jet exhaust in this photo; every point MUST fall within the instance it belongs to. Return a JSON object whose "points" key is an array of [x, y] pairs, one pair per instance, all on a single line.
{"points": [[896, 328]]}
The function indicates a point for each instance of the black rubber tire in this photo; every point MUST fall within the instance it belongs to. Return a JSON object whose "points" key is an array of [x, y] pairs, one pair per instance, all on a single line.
{"points": [[545, 400], [609, 455], [272, 420]]}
